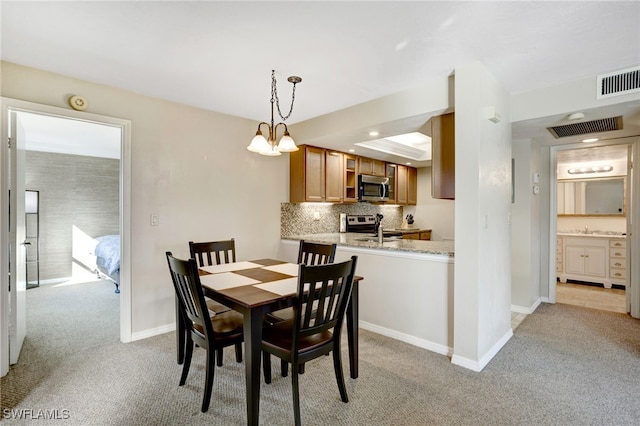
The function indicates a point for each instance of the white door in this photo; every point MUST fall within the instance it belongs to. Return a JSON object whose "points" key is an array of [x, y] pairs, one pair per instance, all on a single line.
{"points": [[17, 238]]}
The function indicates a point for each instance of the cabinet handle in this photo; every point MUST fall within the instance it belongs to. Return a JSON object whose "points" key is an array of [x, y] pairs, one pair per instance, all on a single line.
{"points": [[618, 264], [617, 254]]}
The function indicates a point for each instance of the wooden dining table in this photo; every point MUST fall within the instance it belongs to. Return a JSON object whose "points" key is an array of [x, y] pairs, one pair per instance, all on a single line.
{"points": [[255, 288]]}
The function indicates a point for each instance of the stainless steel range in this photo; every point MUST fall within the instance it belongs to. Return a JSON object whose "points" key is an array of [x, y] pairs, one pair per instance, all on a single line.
{"points": [[368, 224]]}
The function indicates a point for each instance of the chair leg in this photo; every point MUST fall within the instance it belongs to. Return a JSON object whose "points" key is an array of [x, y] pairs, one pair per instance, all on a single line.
{"points": [[220, 355], [284, 368], [337, 365], [301, 369], [295, 390], [187, 361], [209, 375], [238, 352], [266, 366]]}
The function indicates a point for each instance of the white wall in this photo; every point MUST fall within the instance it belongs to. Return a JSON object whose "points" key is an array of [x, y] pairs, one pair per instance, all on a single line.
{"points": [[438, 215], [483, 201], [190, 167], [525, 225]]}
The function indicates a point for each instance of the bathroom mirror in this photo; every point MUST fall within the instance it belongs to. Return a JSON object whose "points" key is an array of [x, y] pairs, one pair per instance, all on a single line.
{"points": [[592, 197]]}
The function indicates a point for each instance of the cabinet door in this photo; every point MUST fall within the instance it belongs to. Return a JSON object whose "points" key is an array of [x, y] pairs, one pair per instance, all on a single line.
{"points": [[596, 263], [425, 235], [334, 186], [412, 186], [379, 168], [401, 185], [443, 157], [411, 236], [574, 260], [365, 166], [314, 174], [391, 174], [350, 179]]}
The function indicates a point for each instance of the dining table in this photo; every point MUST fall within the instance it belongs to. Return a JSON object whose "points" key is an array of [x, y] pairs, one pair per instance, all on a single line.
{"points": [[257, 287]]}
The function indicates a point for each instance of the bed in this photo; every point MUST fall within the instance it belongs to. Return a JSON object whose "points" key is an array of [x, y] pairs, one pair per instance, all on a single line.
{"points": [[107, 252]]}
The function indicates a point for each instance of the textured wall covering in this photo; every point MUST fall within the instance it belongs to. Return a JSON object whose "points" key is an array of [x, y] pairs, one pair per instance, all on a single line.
{"points": [[74, 190], [298, 219]]}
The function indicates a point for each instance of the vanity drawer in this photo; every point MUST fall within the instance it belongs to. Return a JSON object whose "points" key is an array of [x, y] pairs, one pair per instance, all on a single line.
{"points": [[618, 243], [618, 263], [617, 252], [617, 274]]}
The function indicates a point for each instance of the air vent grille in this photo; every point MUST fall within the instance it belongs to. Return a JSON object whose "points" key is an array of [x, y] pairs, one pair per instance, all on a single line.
{"points": [[619, 83], [586, 127]]}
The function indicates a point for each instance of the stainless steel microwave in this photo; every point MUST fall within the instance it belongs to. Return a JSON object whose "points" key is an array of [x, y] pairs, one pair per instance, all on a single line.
{"points": [[373, 188]]}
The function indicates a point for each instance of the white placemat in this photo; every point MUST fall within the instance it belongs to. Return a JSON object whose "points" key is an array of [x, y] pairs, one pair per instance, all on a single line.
{"points": [[284, 268], [226, 280], [281, 287], [228, 267]]}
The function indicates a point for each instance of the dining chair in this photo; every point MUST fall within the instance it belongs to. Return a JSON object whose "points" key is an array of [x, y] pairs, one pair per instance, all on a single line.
{"points": [[310, 254], [313, 331], [206, 254], [211, 333]]}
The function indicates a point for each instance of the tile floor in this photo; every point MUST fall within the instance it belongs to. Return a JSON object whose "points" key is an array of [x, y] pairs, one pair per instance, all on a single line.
{"points": [[596, 297]]}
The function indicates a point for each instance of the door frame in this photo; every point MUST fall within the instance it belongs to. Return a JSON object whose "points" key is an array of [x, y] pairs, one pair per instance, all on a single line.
{"points": [[9, 104], [633, 228]]}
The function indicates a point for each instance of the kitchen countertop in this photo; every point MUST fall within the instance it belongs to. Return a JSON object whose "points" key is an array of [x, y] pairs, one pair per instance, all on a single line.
{"points": [[352, 239]]}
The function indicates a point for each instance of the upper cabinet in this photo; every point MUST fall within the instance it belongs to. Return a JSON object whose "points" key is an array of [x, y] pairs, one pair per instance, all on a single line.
{"points": [[443, 157], [350, 178], [307, 174], [369, 166], [324, 175], [406, 185], [334, 178]]}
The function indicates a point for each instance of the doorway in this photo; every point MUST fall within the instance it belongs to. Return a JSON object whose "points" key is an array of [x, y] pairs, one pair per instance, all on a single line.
{"points": [[592, 245], [12, 106]]}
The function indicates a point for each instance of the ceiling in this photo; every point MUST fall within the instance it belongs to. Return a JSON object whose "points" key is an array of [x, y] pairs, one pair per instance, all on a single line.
{"points": [[219, 55]]}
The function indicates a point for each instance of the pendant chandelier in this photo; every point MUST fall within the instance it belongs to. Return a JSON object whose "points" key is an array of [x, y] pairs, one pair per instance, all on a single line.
{"points": [[270, 146]]}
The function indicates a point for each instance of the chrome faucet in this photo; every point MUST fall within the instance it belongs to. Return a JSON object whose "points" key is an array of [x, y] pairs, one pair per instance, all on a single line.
{"points": [[586, 229]]}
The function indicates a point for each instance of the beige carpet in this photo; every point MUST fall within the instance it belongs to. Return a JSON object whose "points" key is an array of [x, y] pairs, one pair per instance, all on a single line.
{"points": [[564, 366]]}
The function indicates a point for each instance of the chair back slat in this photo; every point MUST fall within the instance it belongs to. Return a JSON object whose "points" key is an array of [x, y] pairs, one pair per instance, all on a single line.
{"points": [[323, 294], [213, 252], [316, 253]]}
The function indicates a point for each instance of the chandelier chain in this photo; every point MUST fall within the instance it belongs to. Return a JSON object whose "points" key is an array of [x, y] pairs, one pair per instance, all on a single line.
{"points": [[274, 96]]}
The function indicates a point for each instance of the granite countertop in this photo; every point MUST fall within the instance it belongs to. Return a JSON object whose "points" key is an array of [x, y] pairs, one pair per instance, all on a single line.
{"points": [[594, 233], [351, 239]]}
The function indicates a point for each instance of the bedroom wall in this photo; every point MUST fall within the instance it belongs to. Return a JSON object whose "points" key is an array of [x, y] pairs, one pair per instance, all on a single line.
{"points": [[188, 165], [75, 191]]}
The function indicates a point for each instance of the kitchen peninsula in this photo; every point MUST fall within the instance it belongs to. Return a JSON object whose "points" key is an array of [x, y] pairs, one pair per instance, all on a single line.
{"points": [[407, 290]]}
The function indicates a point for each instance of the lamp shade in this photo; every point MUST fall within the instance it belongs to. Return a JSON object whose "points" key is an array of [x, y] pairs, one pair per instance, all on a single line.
{"points": [[259, 144], [287, 144], [271, 151]]}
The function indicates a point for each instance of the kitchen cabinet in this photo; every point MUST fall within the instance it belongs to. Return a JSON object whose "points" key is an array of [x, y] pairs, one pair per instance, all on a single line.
{"points": [[307, 174], [412, 186], [443, 157], [418, 235], [391, 174], [401, 184], [334, 176], [350, 178], [406, 185], [369, 166]]}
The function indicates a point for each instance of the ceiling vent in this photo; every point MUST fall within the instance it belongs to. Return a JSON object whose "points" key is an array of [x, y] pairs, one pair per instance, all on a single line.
{"points": [[619, 83], [586, 127]]}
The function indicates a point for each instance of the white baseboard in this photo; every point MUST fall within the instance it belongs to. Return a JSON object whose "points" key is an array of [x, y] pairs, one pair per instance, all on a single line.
{"points": [[139, 335], [479, 365], [412, 340], [526, 310]]}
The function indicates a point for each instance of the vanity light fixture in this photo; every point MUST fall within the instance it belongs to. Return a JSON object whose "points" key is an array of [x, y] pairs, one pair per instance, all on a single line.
{"points": [[590, 140], [270, 146], [373, 133], [594, 169]]}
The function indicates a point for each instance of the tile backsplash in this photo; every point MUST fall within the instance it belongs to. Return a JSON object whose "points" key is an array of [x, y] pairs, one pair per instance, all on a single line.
{"points": [[324, 218]]}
